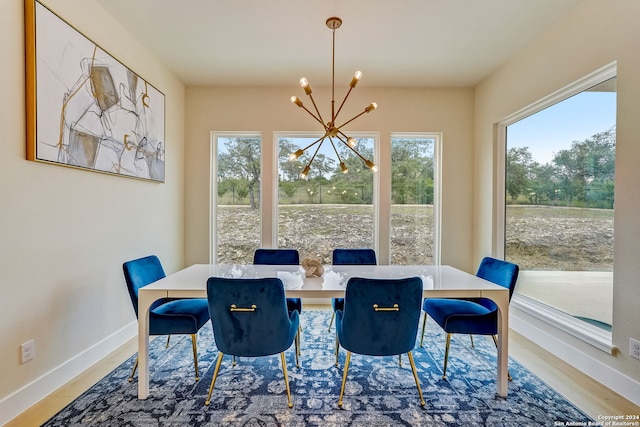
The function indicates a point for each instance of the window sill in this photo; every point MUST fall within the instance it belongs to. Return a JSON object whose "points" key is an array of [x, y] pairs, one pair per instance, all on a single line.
{"points": [[584, 331]]}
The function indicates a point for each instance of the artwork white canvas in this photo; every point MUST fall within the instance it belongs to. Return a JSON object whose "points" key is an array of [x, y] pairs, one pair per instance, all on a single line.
{"points": [[92, 111]]}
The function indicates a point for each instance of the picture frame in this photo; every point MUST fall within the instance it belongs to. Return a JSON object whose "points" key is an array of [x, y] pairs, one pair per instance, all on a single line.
{"points": [[86, 109]]}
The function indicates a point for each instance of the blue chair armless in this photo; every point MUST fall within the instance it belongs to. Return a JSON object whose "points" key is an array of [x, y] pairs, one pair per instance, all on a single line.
{"points": [[380, 318], [250, 319], [166, 316], [473, 316]]}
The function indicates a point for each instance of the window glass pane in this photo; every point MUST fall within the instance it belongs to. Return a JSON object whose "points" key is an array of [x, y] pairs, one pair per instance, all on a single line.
{"points": [[237, 199], [560, 203], [329, 209], [412, 196]]}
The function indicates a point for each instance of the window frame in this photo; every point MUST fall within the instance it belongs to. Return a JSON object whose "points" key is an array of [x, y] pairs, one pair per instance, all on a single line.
{"points": [[582, 330]]}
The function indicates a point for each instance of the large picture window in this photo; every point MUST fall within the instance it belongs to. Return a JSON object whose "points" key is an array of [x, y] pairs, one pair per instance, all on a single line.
{"points": [[236, 197], [559, 202], [412, 198]]}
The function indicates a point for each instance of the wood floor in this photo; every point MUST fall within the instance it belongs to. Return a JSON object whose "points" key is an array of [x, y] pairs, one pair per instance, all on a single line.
{"points": [[584, 392]]}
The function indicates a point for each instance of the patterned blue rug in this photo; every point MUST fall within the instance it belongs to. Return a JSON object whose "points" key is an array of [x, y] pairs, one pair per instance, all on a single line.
{"points": [[379, 392]]}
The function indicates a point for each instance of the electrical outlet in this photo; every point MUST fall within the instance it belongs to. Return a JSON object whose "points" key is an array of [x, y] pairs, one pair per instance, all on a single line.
{"points": [[634, 348], [27, 351]]}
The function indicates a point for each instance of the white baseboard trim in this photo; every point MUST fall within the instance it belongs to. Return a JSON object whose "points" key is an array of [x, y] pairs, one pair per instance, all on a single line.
{"points": [[30, 394], [620, 383]]}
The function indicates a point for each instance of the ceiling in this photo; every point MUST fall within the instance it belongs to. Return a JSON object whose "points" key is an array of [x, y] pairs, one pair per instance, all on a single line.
{"points": [[401, 43]]}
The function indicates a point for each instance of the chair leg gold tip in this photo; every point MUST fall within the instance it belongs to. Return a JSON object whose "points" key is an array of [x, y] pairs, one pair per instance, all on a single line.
{"points": [[290, 405], [207, 402], [444, 377], [422, 402], [340, 404]]}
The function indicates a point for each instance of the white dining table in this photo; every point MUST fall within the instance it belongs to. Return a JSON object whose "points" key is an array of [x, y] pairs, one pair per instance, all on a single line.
{"points": [[439, 281]]}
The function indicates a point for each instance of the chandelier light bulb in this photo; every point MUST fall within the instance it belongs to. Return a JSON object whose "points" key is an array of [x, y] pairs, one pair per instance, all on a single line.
{"points": [[356, 78], [371, 165], [305, 171], [294, 156], [344, 167], [352, 142], [371, 107], [296, 100], [304, 84]]}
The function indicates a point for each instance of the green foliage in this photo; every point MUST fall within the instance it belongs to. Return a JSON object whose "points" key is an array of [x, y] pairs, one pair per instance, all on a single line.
{"points": [[582, 176]]}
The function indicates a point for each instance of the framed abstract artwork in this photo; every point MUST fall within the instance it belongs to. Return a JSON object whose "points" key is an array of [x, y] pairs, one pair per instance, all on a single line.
{"points": [[85, 109]]}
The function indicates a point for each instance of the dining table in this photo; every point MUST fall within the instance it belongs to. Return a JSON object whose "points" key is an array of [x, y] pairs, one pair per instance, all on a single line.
{"points": [[439, 281]]}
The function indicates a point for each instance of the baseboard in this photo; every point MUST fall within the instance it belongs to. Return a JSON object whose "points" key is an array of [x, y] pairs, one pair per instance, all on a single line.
{"points": [[27, 396], [618, 382]]}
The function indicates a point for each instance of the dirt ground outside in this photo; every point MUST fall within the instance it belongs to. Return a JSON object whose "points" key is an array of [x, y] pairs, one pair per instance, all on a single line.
{"points": [[537, 237]]}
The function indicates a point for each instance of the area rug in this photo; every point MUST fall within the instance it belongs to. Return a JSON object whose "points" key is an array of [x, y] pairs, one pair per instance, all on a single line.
{"points": [[379, 391]]}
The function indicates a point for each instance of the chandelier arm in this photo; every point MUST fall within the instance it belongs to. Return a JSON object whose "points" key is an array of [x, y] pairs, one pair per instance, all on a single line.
{"points": [[354, 150], [314, 142], [349, 121], [316, 152], [343, 101], [319, 118], [335, 149]]}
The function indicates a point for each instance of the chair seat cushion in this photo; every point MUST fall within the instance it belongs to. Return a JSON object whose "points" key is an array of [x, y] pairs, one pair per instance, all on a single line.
{"points": [[182, 316], [461, 316]]}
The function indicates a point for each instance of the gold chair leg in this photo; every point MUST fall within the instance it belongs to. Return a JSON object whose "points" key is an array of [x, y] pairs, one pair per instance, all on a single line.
{"points": [[195, 355], [331, 321], [133, 371], [495, 341], [424, 324], [213, 380], [415, 376], [344, 377], [400, 360], [168, 339], [472, 345], [337, 352], [233, 363], [296, 342], [446, 356], [286, 379]]}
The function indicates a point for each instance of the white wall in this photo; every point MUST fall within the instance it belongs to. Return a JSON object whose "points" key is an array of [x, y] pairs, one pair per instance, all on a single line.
{"points": [[399, 110], [592, 35], [64, 233]]}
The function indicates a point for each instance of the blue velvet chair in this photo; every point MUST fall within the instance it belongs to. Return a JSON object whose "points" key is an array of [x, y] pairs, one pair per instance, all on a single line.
{"points": [[250, 319], [341, 256], [166, 316], [474, 316], [280, 257], [380, 318]]}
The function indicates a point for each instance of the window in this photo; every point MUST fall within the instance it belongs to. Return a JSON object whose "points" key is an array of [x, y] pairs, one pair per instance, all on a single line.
{"points": [[328, 209], [236, 197], [412, 198], [559, 202]]}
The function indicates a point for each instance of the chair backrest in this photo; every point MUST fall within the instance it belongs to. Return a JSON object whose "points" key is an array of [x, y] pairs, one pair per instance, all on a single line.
{"points": [[500, 272], [276, 257], [363, 256], [140, 272], [250, 317], [385, 331]]}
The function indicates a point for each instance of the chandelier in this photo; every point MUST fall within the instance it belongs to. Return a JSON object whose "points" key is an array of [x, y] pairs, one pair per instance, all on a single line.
{"points": [[331, 129]]}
